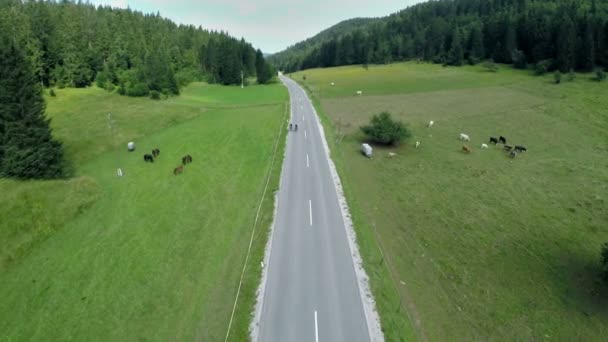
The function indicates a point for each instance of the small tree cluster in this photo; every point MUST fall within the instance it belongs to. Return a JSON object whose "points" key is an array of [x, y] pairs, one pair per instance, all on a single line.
{"points": [[382, 129]]}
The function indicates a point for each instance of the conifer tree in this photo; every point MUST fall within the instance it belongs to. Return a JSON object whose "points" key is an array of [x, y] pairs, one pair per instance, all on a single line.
{"points": [[27, 149]]}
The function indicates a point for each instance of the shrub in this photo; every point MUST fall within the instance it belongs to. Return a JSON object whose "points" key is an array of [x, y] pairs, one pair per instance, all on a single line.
{"points": [[557, 77], [600, 75], [519, 59], [188, 75], [137, 89], [571, 76], [101, 79], [52, 92], [604, 261], [383, 129], [154, 95], [490, 66], [542, 67]]}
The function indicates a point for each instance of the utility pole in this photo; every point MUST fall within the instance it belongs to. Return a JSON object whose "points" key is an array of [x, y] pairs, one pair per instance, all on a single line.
{"points": [[109, 118], [242, 85]]}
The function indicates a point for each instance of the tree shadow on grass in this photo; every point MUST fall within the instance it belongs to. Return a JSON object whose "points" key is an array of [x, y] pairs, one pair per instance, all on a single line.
{"points": [[584, 290]]}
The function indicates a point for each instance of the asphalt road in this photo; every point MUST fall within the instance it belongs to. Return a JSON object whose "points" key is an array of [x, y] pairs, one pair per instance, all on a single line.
{"points": [[311, 291]]}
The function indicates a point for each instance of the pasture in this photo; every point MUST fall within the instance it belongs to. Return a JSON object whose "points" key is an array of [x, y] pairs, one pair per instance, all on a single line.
{"points": [[150, 255], [476, 246]]}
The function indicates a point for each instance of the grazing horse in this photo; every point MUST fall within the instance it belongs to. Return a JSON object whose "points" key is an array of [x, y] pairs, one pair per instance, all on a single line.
{"points": [[502, 140], [466, 149], [519, 148], [187, 159], [155, 152], [178, 170], [493, 140], [508, 148], [148, 158], [513, 154]]}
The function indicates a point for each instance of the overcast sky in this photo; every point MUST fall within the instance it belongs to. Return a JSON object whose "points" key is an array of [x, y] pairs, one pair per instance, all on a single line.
{"points": [[270, 25]]}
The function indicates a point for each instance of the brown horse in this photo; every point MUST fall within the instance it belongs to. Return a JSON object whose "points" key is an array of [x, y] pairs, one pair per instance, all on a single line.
{"points": [[466, 149], [178, 170]]}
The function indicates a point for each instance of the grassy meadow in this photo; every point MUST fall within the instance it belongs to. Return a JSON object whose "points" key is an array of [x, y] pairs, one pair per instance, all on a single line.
{"points": [[147, 256], [476, 246]]}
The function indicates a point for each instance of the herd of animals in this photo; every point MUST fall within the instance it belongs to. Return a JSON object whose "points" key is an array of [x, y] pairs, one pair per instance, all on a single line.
{"points": [[512, 150], [187, 159]]}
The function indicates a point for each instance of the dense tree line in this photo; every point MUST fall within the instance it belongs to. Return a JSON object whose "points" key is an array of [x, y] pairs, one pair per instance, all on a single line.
{"points": [[551, 34], [77, 44]]}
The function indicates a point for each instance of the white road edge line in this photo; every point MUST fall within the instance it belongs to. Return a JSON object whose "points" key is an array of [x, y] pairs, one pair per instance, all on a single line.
{"points": [[303, 118], [310, 211], [316, 328], [305, 137], [307, 164], [367, 299]]}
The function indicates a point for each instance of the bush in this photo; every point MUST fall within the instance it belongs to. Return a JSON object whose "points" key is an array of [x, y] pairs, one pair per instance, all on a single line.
{"points": [[154, 95], [571, 76], [543, 67], [604, 261], [188, 75], [384, 130], [137, 89], [600, 75], [557, 77], [101, 79], [519, 59], [52, 92], [490, 66]]}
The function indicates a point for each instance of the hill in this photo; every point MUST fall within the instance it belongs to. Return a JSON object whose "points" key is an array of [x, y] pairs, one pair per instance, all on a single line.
{"points": [[310, 44], [554, 34]]}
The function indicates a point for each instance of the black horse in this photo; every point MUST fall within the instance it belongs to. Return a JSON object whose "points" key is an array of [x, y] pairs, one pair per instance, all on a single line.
{"points": [[148, 158], [520, 148], [508, 148], [493, 140], [187, 159], [502, 140], [155, 152]]}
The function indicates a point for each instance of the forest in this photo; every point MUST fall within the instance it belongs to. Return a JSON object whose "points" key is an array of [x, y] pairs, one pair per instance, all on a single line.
{"points": [[562, 35], [75, 44]]}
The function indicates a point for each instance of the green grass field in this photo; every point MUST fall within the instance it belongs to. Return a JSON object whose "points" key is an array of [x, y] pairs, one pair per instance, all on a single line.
{"points": [[149, 256], [476, 246]]}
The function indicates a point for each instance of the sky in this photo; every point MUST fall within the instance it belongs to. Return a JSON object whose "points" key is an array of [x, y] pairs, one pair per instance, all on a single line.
{"points": [[271, 25]]}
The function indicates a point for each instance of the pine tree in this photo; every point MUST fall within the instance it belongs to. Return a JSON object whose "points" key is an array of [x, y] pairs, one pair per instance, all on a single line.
{"points": [[456, 53], [566, 45], [259, 63], [476, 50], [586, 60], [27, 149]]}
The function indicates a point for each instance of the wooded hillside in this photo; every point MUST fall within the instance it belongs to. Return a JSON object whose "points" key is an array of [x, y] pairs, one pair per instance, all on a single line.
{"points": [[75, 44], [552, 34]]}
